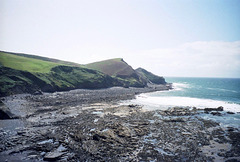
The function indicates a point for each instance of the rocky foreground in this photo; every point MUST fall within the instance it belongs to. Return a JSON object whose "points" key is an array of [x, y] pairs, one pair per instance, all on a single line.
{"points": [[90, 125]]}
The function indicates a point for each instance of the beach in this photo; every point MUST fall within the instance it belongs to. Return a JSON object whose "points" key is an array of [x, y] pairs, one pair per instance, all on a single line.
{"points": [[96, 125]]}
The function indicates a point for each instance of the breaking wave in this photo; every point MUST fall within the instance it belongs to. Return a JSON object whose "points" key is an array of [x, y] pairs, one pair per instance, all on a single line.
{"points": [[164, 102]]}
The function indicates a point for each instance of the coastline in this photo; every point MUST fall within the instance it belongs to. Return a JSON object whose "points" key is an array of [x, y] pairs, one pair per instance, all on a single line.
{"points": [[90, 125]]}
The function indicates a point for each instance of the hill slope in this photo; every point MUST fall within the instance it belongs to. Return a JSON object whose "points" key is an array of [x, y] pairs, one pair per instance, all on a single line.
{"points": [[41, 58], [150, 77], [118, 68], [112, 67], [25, 63], [21, 74]]}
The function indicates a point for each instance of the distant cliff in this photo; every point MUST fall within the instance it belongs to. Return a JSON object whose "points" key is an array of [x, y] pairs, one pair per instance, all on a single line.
{"points": [[118, 68], [150, 77]]}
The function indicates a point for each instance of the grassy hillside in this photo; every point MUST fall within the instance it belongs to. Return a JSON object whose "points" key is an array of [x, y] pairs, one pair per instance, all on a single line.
{"points": [[43, 58], [25, 63], [26, 74], [112, 67], [22, 73], [60, 78], [118, 68]]}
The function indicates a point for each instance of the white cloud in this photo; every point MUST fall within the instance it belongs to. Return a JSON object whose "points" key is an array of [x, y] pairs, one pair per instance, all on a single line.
{"points": [[193, 59], [199, 59]]}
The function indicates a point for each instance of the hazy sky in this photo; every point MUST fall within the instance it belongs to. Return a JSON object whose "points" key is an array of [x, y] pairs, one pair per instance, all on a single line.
{"points": [[199, 38]]}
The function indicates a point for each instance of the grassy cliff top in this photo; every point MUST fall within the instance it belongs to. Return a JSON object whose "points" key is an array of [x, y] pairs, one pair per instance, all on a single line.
{"points": [[25, 63], [112, 67], [31, 63]]}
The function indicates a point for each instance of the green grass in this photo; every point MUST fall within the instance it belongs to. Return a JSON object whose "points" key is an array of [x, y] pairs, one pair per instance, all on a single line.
{"points": [[60, 78], [45, 59], [112, 67], [118, 69], [101, 64], [25, 63], [22, 73]]}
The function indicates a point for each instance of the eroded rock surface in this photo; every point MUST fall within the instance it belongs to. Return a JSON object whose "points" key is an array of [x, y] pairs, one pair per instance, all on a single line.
{"points": [[74, 127]]}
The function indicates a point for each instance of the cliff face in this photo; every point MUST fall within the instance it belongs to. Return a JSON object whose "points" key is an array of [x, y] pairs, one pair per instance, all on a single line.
{"points": [[150, 77], [120, 70]]}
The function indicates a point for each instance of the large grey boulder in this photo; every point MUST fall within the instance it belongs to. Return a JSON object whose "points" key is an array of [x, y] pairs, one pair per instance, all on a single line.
{"points": [[5, 112]]}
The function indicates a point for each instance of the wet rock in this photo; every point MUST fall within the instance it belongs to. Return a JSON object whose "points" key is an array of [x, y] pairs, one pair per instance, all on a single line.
{"points": [[229, 112], [180, 111], [220, 108], [38, 92], [124, 132], [81, 135], [53, 156], [141, 131], [46, 145], [230, 129], [209, 123], [106, 135], [233, 160], [5, 112], [216, 113], [186, 133], [174, 120], [90, 146], [132, 105], [21, 132]]}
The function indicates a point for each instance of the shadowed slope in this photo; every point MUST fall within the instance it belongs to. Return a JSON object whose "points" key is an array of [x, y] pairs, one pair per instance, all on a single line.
{"points": [[27, 74], [150, 77], [118, 68], [112, 67]]}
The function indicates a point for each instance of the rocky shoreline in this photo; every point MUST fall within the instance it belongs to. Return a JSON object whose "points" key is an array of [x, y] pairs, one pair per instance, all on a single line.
{"points": [[91, 125]]}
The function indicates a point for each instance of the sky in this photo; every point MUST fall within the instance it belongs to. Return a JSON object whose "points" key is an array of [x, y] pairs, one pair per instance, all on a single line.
{"points": [[188, 38]]}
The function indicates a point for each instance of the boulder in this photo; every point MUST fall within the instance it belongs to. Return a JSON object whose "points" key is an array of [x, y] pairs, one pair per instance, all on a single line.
{"points": [[216, 113], [174, 120], [106, 134], [124, 131], [220, 108], [229, 112], [38, 92], [53, 156], [5, 112], [180, 111]]}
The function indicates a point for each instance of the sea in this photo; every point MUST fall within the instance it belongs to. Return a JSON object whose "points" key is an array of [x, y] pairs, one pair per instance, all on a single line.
{"points": [[200, 93]]}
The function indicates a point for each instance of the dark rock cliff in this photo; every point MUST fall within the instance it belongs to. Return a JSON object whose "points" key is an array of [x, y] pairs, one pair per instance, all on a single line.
{"points": [[150, 77]]}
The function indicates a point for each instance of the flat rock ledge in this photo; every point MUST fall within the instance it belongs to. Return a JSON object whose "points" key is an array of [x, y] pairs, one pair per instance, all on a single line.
{"points": [[79, 129]]}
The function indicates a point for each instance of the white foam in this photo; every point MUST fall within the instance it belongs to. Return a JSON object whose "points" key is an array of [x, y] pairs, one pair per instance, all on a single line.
{"points": [[165, 102], [180, 86]]}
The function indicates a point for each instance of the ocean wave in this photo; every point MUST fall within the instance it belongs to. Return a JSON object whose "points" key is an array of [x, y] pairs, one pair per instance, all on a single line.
{"points": [[153, 102], [180, 86], [224, 90]]}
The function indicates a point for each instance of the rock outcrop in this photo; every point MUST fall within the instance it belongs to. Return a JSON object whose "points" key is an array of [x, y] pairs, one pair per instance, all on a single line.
{"points": [[150, 77], [5, 113]]}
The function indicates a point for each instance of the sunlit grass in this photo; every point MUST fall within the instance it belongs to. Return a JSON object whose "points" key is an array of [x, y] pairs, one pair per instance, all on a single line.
{"points": [[25, 63]]}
